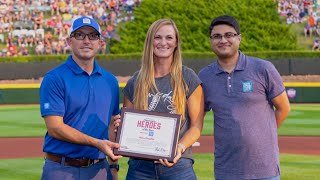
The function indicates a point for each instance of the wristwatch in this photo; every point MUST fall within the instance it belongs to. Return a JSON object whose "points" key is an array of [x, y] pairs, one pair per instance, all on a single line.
{"points": [[116, 166]]}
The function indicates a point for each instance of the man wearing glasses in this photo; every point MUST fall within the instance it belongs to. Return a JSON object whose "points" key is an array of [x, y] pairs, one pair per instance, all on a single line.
{"points": [[77, 100], [249, 102]]}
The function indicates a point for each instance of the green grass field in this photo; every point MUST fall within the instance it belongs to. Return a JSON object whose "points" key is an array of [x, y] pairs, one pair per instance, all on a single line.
{"points": [[293, 167], [303, 120], [25, 120], [31, 168]]}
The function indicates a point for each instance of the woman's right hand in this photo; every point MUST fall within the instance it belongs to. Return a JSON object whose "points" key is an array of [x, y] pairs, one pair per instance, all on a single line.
{"points": [[116, 122]]}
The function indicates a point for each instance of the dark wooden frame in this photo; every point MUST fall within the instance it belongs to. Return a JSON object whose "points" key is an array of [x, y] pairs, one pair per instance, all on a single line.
{"points": [[143, 155]]}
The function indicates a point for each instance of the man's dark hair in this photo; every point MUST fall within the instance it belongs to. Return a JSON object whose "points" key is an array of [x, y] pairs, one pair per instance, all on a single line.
{"points": [[225, 19]]}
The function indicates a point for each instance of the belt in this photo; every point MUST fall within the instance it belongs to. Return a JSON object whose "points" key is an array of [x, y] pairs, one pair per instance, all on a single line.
{"points": [[76, 162]]}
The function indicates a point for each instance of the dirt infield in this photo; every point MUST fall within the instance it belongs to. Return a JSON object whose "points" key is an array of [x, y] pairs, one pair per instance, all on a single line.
{"points": [[32, 147]]}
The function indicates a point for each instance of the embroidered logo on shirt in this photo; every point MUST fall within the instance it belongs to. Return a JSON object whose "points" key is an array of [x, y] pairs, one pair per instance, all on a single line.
{"points": [[247, 86], [46, 105]]}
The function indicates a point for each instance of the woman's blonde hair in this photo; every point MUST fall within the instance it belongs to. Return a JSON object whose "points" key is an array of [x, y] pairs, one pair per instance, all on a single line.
{"points": [[146, 80]]}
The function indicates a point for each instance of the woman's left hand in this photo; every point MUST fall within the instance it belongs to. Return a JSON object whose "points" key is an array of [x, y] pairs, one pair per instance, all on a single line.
{"points": [[166, 163]]}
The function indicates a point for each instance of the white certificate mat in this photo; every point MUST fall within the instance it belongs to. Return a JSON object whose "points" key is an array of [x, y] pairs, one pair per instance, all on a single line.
{"points": [[148, 135]]}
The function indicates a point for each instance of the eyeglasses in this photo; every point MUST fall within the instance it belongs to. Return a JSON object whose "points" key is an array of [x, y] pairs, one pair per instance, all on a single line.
{"points": [[82, 36], [227, 36]]}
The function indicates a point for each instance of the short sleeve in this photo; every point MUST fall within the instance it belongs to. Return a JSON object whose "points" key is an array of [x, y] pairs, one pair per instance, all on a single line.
{"points": [[203, 75], [51, 96], [116, 109], [191, 79], [128, 90], [274, 81]]}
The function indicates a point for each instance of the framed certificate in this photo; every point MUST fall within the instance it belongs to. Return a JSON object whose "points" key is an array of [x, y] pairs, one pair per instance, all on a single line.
{"points": [[148, 135]]}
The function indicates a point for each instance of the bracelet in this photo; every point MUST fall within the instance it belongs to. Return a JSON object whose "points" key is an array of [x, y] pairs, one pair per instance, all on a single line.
{"points": [[183, 147]]}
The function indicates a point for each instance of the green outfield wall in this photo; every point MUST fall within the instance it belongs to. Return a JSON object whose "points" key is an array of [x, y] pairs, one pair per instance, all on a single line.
{"points": [[26, 93], [298, 92]]}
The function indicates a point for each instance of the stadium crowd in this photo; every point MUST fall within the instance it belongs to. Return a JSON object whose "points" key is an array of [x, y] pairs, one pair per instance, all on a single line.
{"points": [[41, 26], [306, 12]]}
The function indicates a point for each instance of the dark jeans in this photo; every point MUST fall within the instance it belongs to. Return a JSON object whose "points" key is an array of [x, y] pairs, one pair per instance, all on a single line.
{"points": [[148, 170]]}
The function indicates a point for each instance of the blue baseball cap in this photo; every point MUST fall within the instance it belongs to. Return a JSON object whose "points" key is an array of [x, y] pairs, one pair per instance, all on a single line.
{"points": [[84, 21]]}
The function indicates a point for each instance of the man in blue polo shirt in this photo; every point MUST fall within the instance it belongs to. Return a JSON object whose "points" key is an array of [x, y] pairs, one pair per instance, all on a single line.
{"points": [[249, 102], [77, 101]]}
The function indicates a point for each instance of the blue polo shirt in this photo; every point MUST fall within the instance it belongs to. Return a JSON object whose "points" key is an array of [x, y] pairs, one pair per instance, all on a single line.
{"points": [[86, 103], [245, 129]]}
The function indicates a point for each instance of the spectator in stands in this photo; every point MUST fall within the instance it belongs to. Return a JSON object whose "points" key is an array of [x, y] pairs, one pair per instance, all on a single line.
{"points": [[24, 50], [60, 46], [12, 49], [47, 49], [307, 30], [48, 37], [104, 19], [316, 44], [9, 40], [318, 29], [290, 19], [30, 41], [62, 7], [112, 17], [54, 8], [16, 16], [33, 16], [66, 26], [110, 30], [112, 5], [129, 4], [99, 12], [6, 24], [138, 2], [66, 48], [39, 48], [311, 20], [51, 23], [38, 21]]}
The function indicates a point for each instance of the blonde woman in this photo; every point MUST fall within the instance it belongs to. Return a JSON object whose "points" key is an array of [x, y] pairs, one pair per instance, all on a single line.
{"points": [[163, 84]]}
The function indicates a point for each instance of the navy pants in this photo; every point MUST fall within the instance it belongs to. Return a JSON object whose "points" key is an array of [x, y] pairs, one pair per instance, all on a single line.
{"points": [[54, 171]]}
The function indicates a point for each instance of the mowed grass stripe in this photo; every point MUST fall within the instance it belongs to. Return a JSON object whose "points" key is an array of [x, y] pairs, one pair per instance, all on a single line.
{"points": [[31, 168], [293, 167], [20, 121], [25, 120], [303, 120], [297, 167]]}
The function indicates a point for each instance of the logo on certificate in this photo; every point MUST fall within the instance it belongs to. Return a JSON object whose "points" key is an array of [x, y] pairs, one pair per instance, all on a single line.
{"points": [[151, 133]]}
